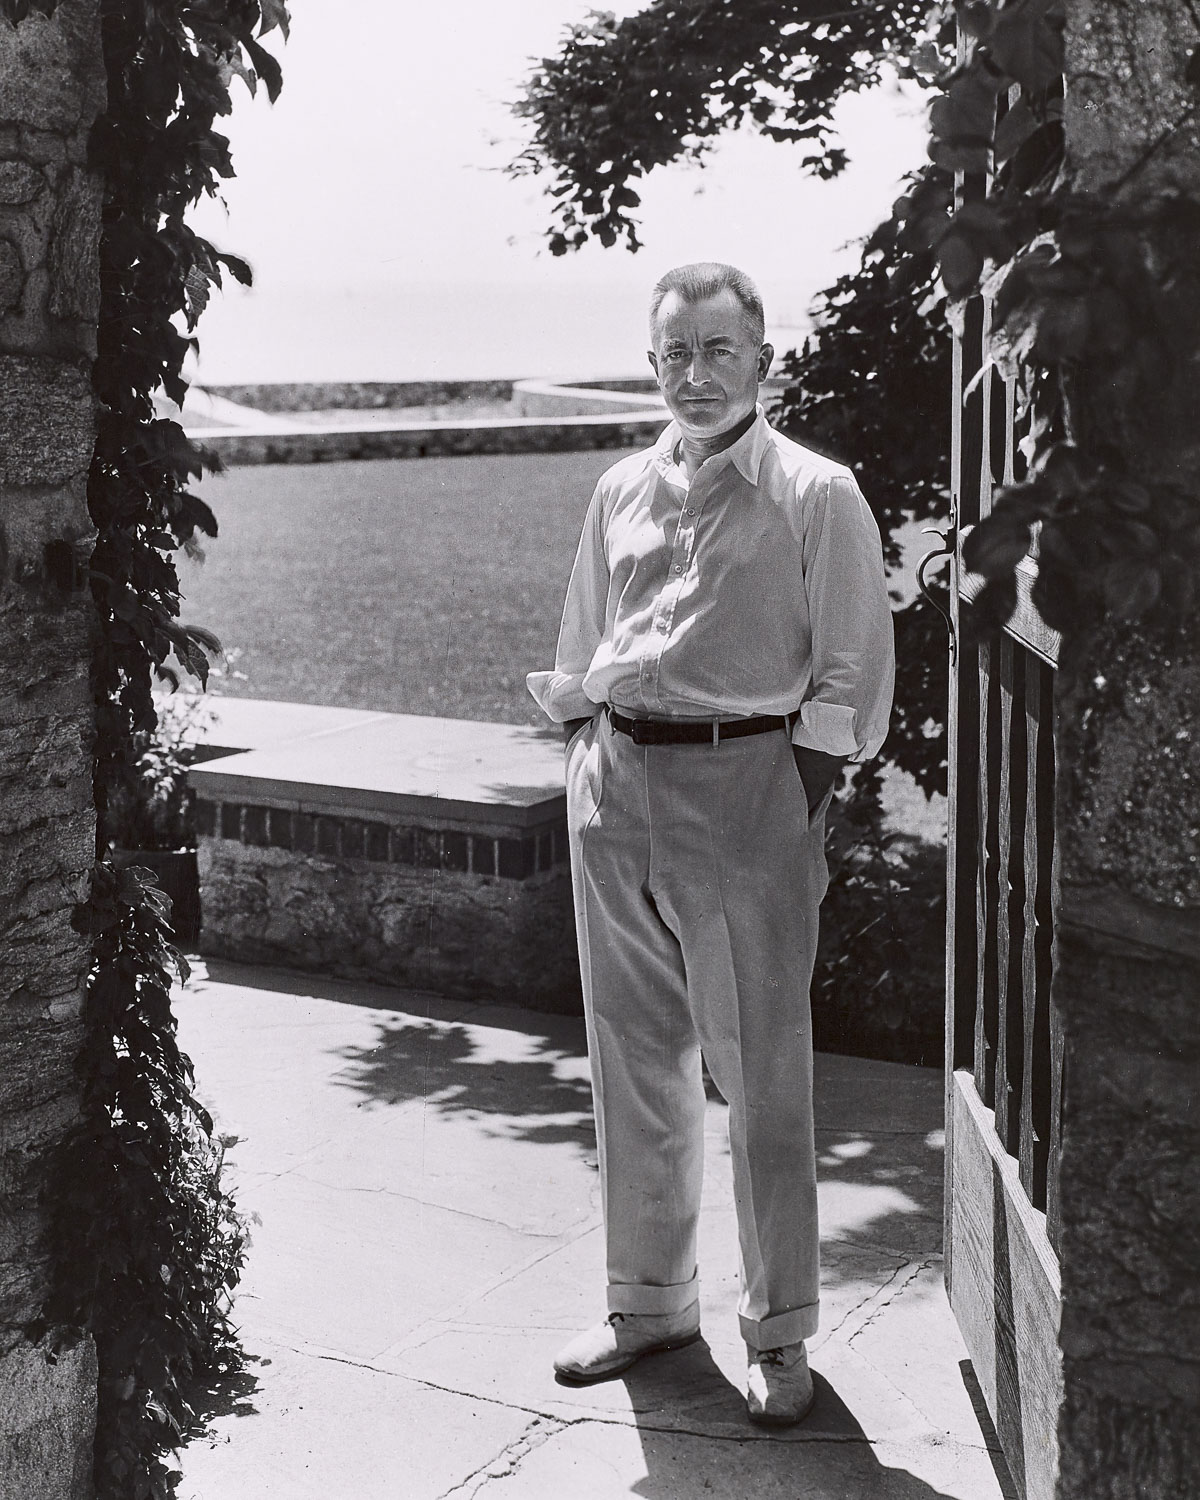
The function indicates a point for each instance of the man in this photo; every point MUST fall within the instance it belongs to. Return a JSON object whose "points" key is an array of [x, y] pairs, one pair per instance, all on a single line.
{"points": [[726, 647]]}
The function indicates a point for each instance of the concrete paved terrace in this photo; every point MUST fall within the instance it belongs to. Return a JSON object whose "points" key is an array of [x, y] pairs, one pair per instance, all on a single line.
{"points": [[421, 1177]]}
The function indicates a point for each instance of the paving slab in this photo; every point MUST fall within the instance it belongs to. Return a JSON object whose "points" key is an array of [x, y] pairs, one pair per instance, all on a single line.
{"points": [[323, 1429], [422, 1179]]}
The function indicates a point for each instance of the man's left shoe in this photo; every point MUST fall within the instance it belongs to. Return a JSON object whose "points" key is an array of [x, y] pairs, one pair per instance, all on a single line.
{"points": [[779, 1388]]}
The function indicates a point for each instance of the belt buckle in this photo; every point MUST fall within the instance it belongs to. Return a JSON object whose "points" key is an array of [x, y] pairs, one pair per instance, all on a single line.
{"points": [[635, 732]]}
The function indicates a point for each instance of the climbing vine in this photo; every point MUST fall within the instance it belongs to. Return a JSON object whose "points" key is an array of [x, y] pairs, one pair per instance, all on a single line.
{"points": [[150, 1243], [1094, 312]]}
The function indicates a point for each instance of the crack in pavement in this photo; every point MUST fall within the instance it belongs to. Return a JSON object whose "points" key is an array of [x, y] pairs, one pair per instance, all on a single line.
{"points": [[885, 1302], [632, 1419], [876, 1291], [508, 1460]]}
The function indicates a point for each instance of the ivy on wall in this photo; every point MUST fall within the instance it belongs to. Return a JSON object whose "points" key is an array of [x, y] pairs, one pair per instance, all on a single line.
{"points": [[150, 1243], [1094, 304]]}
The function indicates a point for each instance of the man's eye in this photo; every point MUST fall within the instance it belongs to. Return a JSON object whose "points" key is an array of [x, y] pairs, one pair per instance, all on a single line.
{"points": [[675, 354]]}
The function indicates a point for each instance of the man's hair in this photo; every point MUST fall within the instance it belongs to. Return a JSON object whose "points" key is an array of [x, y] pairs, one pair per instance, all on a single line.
{"points": [[707, 278]]}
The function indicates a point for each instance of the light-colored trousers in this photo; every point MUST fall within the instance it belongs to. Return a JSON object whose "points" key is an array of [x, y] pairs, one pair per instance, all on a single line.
{"points": [[697, 875]]}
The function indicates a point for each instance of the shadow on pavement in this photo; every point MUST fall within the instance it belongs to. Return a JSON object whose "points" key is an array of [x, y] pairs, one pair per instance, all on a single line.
{"points": [[828, 1455], [534, 1086]]}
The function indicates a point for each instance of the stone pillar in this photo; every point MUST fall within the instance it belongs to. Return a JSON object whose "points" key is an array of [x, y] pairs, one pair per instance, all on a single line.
{"points": [[1127, 980], [51, 90]]}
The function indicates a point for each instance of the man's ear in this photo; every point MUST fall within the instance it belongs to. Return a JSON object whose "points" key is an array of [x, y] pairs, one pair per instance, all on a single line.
{"points": [[653, 358], [766, 356]]}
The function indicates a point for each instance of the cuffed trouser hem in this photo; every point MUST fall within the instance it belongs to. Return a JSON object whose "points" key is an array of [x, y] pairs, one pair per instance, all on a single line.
{"points": [[634, 1298], [787, 1328]]}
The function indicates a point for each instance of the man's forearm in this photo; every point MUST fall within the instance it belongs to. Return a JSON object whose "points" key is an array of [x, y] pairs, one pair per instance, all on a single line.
{"points": [[818, 772]]}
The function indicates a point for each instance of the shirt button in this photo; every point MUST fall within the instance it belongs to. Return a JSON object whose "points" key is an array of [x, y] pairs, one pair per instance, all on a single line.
{"points": [[661, 625], [690, 511], [678, 567]]}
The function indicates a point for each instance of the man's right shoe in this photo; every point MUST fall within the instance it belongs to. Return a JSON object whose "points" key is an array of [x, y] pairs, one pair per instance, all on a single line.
{"points": [[621, 1340], [779, 1387]]}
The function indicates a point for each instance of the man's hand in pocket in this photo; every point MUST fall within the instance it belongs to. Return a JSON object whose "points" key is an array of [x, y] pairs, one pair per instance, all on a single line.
{"points": [[818, 772]]}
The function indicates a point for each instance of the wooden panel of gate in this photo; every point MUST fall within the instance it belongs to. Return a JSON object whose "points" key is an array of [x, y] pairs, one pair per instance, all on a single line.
{"points": [[1003, 1047]]}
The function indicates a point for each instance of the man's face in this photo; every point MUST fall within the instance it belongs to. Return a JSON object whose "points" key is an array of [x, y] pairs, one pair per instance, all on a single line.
{"points": [[708, 362]]}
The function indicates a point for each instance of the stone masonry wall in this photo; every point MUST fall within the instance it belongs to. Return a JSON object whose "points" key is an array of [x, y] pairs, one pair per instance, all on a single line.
{"points": [[1127, 977], [51, 89], [478, 937], [1128, 985]]}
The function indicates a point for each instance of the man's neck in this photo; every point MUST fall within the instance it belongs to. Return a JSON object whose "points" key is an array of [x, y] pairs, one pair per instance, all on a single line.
{"points": [[693, 451]]}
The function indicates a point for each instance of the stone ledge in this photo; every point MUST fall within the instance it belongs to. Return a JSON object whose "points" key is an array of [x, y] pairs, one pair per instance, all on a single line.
{"points": [[395, 847], [333, 444], [408, 769]]}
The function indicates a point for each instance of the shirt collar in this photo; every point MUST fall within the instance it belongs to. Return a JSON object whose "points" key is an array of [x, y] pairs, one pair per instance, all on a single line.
{"points": [[746, 454]]}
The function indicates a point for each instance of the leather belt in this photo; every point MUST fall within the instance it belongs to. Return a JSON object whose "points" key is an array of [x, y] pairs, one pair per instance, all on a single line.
{"points": [[672, 732]]}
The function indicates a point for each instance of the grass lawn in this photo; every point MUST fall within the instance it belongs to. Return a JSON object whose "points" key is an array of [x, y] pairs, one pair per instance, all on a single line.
{"points": [[427, 586]]}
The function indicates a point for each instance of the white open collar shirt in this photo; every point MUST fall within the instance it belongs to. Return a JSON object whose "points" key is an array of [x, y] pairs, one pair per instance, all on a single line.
{"points": [[757, 587]]}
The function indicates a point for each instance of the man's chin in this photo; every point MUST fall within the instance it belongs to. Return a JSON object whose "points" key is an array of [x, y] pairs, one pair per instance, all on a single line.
{"points": [[708, 417], [708, 420]]}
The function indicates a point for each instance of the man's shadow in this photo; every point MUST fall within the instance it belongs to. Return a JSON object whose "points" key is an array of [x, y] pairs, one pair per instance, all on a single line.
{"points": [[697, 1440]]}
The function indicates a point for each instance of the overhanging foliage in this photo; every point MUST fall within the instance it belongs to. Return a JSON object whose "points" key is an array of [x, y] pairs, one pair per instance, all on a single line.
{"points": [[150, 1244], [623, 97], [1095, 313]]}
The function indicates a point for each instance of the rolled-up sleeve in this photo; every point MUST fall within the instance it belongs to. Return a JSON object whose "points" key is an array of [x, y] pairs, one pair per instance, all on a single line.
{"points": [[559, 693], [853, 649]]}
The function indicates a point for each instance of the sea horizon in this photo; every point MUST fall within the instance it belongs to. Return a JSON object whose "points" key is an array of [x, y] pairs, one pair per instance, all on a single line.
{"points": [[432, 331]]}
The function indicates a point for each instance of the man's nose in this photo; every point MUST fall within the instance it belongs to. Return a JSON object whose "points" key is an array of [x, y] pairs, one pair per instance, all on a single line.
{"points": [[697, 372]]}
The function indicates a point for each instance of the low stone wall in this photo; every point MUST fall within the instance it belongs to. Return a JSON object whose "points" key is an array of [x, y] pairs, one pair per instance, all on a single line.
{"points": [[473, 936], [360, 395], [433, 439], [414, 851], [546, 398]]}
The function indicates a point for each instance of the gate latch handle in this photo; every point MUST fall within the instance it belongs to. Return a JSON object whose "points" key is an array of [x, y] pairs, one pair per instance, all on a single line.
{"points": [[949, 541]]}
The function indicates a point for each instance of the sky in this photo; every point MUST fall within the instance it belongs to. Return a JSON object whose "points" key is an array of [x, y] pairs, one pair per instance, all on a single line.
{"points": [[388, 244]]}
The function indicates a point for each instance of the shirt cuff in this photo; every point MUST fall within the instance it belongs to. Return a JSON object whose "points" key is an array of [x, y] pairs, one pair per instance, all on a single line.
{"points": [[560, 695], [833, 729]]}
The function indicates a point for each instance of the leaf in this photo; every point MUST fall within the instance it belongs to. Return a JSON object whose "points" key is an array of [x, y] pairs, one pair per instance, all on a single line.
{"points": [[971, 157], [975, 18], [274, 14], [992, 608], [1014, 129], [266, 67], [1055, 597], [1131, 587], [1026, 42], [960, 263], [239, 269], [996, 545], [1063, 325]]}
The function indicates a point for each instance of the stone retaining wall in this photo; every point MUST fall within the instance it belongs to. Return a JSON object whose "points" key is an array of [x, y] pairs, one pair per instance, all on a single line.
{"points": [[428, 926], [434, 439], [414, 851], [364, 395]]}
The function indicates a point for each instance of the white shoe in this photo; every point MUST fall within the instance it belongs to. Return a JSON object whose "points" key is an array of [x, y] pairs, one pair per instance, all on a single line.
{"points": [[779, 1388], [622, 1339]]}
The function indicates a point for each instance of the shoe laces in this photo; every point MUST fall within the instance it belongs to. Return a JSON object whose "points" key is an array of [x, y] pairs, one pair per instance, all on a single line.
{"points": [[770, 1357], [614, 1318]]}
